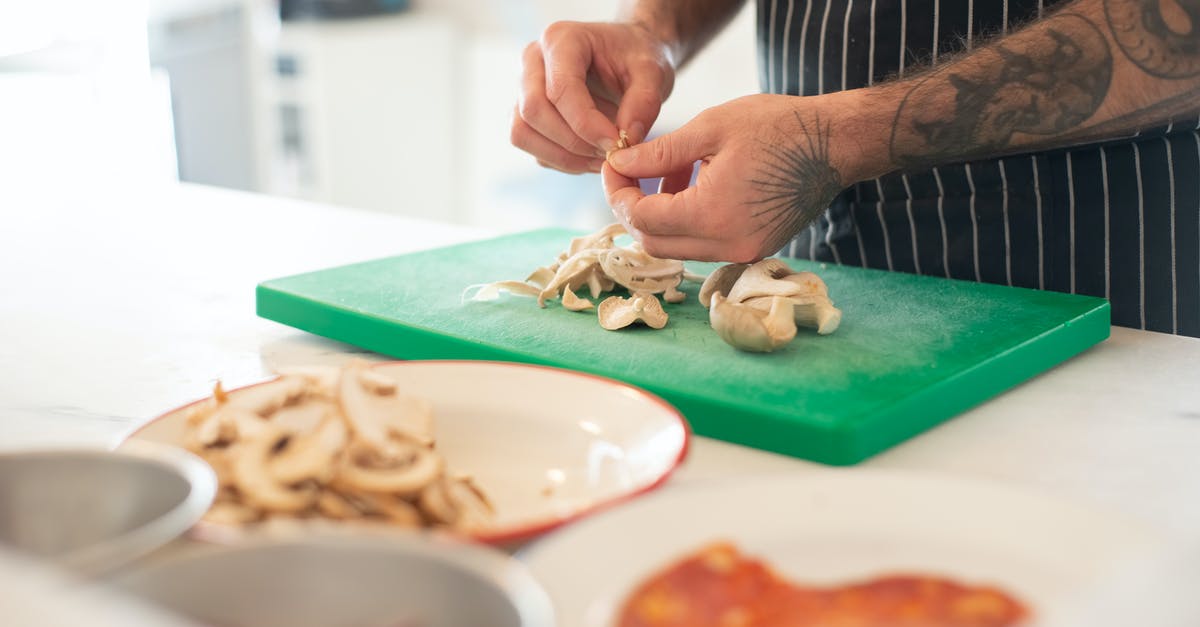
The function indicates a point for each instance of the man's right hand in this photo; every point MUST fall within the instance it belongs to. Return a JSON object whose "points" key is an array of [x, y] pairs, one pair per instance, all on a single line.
{"points": [[580, 83]]}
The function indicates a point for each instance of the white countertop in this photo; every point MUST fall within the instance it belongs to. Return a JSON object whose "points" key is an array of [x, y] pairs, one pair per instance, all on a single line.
{"points": [[118, 302]]}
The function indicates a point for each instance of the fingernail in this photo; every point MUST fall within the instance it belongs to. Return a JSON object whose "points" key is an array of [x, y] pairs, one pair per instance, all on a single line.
{"points": [[637, 133], [596, 164], [607, 145], [622, 158]]}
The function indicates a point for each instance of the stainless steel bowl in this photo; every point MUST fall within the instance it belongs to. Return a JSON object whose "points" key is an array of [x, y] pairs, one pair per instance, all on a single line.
{"points": [[95, 510], [392, 580]]}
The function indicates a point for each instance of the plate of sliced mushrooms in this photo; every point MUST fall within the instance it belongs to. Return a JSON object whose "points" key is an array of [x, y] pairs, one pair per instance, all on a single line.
{"points": [[497, 452]]}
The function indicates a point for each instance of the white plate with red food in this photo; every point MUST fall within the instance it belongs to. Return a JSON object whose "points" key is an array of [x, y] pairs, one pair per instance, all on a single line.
{"points": [[854, 547], [498, 452]]}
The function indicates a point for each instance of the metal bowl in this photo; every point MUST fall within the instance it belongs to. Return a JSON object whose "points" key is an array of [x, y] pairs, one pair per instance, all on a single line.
{"points": [[95, 510], [393, 580]]}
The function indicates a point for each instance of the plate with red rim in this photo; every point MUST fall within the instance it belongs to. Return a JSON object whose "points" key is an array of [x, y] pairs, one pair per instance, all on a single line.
{"points": [[547, 445], [837, 527]]}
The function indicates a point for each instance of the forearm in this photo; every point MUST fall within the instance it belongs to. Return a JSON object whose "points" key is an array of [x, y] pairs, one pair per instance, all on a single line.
{"points": [[1095, 70], [685, 26]]}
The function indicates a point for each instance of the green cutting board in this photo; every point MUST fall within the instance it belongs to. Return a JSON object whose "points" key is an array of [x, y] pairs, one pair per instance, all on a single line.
{"points": [[911, 351]]}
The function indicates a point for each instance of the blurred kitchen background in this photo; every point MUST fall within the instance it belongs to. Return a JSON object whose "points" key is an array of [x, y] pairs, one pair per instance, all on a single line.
{"points": [[388, 105]]}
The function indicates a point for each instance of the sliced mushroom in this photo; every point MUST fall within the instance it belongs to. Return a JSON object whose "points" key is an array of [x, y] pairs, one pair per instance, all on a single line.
{"points": [[455, 502], [310, 455], [574, 303], [375, 412], [720, 281], [264, 399], [334, 505], [225, 425], [231, 513], [747, 328], [673, 295], [255, 482], [405, 472], [305, 417], [617, 313], [392, 508]]}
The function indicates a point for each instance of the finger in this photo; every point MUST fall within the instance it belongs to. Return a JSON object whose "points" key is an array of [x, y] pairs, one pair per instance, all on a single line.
{"points": [[567, 63], [670, 214], [641, 104], [667, 153], [549, 153], [622, 193], [537, 111], [676, 181], [682, 247]]}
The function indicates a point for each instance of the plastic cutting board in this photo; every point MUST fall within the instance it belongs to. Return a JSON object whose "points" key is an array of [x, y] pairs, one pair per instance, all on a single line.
{"points": [[911, 352]]}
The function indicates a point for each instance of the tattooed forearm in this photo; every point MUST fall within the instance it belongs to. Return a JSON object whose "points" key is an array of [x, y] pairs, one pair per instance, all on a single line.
{"points": [[1099, 70], [1044, 84], [1162, 37], [795, 180]]}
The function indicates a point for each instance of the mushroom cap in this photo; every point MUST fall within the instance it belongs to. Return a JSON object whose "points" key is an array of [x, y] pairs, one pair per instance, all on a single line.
{"points": [[747, 328], [616, 312], [764, 278], [721, 281]]}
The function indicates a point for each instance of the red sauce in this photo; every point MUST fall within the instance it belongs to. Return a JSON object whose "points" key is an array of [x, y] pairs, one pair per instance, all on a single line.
{"points": [[718, 587]]}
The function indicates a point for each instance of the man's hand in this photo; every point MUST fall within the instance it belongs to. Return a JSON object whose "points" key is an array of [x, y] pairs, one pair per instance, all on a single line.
{"points": [[769, 165], [582, 82]]}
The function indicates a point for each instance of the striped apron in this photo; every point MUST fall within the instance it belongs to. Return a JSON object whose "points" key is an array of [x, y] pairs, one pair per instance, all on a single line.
{"points": [[1119, 220]]}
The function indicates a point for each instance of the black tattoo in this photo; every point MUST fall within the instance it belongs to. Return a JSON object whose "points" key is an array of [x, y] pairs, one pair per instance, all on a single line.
{"points": [[1162, 37], [796, 181], [1054, 82]]}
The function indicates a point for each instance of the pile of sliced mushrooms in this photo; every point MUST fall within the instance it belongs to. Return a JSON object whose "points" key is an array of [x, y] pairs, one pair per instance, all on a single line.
{"points": [[752, 307], [325, 443]]}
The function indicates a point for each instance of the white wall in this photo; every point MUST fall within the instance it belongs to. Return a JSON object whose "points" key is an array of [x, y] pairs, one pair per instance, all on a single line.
{"points": [[507, 189]]}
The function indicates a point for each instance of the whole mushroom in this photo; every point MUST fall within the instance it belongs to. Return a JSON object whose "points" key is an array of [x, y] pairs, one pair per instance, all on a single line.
{"points": [[757, 307]]}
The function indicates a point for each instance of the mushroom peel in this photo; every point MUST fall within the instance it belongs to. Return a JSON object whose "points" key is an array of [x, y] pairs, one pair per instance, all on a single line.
{"points": [[574, 303], [617, 313], [750, 329]]}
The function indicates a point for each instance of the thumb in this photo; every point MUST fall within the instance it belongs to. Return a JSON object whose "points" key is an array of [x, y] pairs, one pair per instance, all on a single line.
{"points": [[665, 154]]}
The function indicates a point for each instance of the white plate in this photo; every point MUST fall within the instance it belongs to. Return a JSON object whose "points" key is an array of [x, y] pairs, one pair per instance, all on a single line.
{"points": [[841, 526], [546, 445]]}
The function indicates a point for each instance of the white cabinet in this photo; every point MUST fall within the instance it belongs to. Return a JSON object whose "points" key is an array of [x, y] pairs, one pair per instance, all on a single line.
{"points": [[363, 113]]}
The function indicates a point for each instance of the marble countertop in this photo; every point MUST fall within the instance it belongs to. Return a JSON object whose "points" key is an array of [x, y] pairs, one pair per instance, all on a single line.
{"points": [[121, 301]]}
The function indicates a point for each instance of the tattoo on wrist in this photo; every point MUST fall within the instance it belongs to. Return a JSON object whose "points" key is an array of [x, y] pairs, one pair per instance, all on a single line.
{"points": [[1054, 79], [1162, 37], [795, 180]]}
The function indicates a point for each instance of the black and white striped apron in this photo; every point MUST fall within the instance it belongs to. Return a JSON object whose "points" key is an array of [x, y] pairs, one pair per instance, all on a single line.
{"points": [[1120, 220]]}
